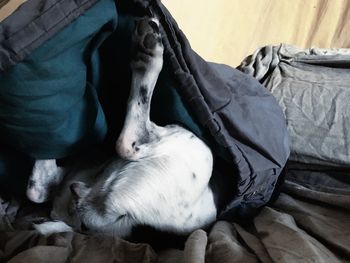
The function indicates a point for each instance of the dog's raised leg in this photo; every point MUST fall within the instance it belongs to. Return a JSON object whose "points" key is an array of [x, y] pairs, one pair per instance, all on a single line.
{"points": [[138, 130], [166, 183]]}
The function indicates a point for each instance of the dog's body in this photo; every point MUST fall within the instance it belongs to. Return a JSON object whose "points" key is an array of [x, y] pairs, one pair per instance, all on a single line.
{"points": [[161, 179]]}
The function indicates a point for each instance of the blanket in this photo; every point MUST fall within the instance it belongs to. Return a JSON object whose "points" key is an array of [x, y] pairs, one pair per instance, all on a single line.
{"points": [[308, 222]]}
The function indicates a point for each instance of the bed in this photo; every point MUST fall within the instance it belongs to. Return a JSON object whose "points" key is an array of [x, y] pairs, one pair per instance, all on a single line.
{"points": [[309, 221]]}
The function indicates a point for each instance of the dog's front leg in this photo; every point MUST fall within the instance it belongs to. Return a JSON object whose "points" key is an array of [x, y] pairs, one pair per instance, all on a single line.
{"points": [[45, 175]]}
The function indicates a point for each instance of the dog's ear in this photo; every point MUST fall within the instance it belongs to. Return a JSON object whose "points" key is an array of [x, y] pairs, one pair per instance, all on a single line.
{"points": [[79, 190]]}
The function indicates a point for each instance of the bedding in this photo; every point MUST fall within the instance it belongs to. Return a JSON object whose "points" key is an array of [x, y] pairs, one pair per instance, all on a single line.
{"points": [[67, 80], [315, 103], [309, 221]]}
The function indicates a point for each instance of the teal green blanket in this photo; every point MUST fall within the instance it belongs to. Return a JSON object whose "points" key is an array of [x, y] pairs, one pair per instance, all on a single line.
{"points": [[49, 105]]}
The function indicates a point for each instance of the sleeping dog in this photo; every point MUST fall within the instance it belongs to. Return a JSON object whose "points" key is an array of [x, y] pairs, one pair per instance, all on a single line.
{"points": [[159, 179]]}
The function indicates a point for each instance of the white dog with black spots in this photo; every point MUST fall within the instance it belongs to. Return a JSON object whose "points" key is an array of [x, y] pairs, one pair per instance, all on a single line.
{"points": [[160, 179]]}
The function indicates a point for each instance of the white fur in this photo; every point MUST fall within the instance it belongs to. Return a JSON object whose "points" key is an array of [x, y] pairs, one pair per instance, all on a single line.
{"points": [[45, 175], [168, 189], [50, 227]]}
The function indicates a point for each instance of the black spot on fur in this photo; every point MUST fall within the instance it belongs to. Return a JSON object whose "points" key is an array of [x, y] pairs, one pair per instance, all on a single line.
{"points": [[194, 176], [144, 138], [147, 136], [31, 183], [143, 95], [183, 204], [120, 217]]}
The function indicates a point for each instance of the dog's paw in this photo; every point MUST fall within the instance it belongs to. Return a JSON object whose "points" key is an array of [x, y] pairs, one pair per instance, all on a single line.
{"points": [[51, 227], [147, 48], [45, 175]]}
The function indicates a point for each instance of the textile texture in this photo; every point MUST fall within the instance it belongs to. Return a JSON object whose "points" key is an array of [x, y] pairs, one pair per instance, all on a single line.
{"points": [[72, 91], [64, 87], [309, 222]]}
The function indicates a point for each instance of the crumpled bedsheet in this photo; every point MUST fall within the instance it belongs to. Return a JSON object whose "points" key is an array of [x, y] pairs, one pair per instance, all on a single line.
{"points": [[310, 220], [313, 88], [306, 224]]}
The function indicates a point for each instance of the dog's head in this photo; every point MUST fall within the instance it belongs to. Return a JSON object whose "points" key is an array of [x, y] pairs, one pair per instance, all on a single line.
{"points": [[95, 214], [86, 208]]}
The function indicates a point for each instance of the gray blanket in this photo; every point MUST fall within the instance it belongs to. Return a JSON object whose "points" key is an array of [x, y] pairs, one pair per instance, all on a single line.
{"points": [[313, 88], [310, 220]]}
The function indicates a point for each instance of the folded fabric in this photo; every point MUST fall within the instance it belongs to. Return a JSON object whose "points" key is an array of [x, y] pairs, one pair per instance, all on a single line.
{"points": [[65, 80], [312, 86], [49, 105]]}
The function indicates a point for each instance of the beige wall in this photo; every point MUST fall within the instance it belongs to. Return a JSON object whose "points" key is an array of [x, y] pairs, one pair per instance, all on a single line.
{"points": [[228, 30], [8, 6]]}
